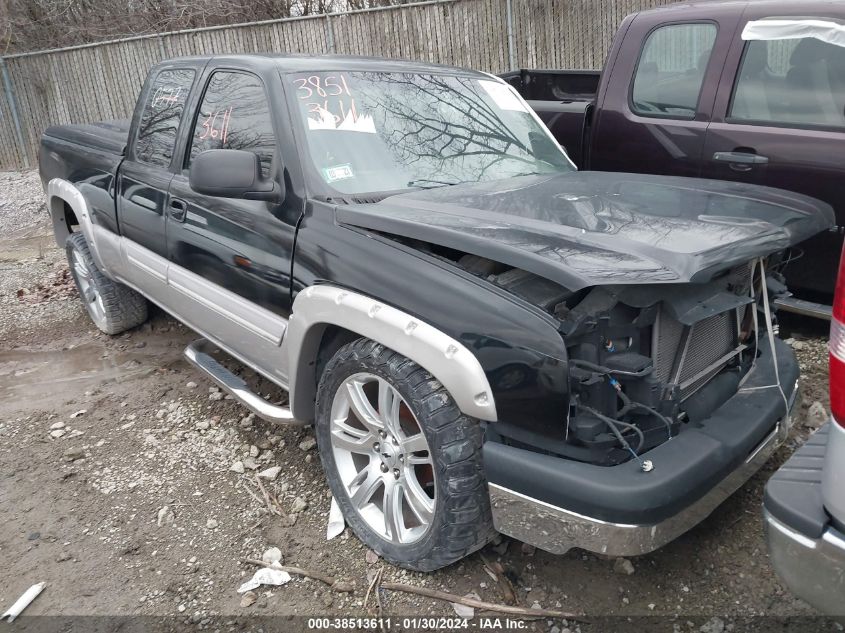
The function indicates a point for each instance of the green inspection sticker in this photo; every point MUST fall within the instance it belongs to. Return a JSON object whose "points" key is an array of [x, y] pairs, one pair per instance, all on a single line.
{"points": [[338, 172]]}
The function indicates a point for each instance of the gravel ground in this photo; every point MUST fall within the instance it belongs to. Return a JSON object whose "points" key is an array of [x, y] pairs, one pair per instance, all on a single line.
{"points": [[129, 486], [21, 200]]}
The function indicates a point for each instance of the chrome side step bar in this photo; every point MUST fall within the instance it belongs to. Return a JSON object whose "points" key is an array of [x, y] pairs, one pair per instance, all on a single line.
{"points": [[198, 354], [806, 308]]}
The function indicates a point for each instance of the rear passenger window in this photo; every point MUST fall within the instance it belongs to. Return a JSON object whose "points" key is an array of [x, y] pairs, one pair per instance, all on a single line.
{"points": [[234, 114], [671, 70], [161, 116], [793, 82]]}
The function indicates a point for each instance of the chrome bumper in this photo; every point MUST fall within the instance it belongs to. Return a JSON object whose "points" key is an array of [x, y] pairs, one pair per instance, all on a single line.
{"points": [[558, 530], [813, 569], [804, 308]]}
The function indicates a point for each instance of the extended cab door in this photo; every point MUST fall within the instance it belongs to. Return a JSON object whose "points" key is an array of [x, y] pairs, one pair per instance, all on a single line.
{"points": [[145, 174], [230, 258], [779, 120], [652, 116]]}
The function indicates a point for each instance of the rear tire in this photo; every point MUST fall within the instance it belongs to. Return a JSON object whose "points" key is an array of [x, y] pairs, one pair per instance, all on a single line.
{"points": [[113, 307], [394, 444]]}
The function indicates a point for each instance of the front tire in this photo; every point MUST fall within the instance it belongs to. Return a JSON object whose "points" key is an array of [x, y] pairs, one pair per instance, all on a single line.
{"points": [[402, 461], [112, 306]]}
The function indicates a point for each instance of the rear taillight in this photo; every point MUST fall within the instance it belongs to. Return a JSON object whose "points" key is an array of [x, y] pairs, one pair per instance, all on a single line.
{"points": [[837, 346]]}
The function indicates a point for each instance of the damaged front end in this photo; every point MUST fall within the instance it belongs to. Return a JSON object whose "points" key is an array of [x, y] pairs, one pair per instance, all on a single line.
{"points": [[645, 360], [678, 394], [666, 388]]}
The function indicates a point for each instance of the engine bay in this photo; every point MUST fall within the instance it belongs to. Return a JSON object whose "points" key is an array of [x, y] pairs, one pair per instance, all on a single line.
{"points": [[644, 362]]}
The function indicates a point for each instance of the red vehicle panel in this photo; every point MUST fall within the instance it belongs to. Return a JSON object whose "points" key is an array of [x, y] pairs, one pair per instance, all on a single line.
{"points": [[684, 94]]}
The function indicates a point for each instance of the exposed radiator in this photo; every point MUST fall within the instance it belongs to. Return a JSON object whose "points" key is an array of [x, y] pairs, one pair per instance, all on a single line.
{"points": [[690, 356]]}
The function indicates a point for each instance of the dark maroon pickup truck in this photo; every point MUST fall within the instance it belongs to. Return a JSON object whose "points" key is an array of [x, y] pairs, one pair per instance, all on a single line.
{"points": [[747, 91]]}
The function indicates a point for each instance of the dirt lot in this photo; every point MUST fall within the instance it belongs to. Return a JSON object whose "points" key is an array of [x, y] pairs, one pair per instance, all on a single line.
{"points": [[119, 488]]}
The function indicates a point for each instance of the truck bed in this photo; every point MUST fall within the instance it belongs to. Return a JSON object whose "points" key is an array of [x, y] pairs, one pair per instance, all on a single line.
{"points": [[88, 155], [561, 98], [554, 85], [106, 136]]}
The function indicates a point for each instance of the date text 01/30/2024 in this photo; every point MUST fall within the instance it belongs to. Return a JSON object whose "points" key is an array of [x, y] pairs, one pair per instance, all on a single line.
{"points": [[417, 624]]}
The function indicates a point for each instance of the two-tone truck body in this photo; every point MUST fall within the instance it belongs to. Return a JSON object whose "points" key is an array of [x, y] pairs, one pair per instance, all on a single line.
{"points": [[483, 336]]}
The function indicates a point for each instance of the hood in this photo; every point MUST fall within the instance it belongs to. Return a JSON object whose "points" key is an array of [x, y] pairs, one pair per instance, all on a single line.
{"points": [[582, 229]]}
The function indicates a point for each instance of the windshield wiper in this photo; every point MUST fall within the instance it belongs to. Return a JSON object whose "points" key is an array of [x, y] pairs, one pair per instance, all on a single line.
{"points": [[428, 183]]}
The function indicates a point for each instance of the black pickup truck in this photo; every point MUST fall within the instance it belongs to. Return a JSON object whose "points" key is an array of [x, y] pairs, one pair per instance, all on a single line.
{"points": [[483, 337], [746, 91]]}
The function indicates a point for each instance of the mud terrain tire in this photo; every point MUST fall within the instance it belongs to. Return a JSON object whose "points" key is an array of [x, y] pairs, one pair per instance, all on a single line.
{"points": [[461, 521], [113, 307]]}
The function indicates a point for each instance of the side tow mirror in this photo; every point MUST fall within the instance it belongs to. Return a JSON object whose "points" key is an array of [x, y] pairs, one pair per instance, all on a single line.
{"points": [[232, 173]]}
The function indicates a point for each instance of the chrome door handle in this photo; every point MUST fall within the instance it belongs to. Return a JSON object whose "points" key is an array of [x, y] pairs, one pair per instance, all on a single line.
{"points": [[741, 158]]}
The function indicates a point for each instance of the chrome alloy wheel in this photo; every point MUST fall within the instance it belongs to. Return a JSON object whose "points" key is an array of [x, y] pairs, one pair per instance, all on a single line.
{"points": [[383, 458], [93, 300]]}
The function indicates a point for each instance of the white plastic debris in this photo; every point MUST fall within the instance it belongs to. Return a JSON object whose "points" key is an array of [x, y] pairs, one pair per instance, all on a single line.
{"points": [[24, 601], [336, 522], [265, 576]]}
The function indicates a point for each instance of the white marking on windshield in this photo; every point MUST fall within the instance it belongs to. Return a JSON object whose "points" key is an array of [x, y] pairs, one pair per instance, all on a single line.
{"points": [[325, 120]]}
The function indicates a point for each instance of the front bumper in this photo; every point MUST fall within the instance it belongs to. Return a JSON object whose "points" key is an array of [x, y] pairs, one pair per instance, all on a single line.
{"points": [[690, 484], [557, 530], [805, 548]]}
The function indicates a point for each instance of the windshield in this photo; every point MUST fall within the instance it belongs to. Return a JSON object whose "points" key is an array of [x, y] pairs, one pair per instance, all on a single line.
{"points": [[374, 131]]}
